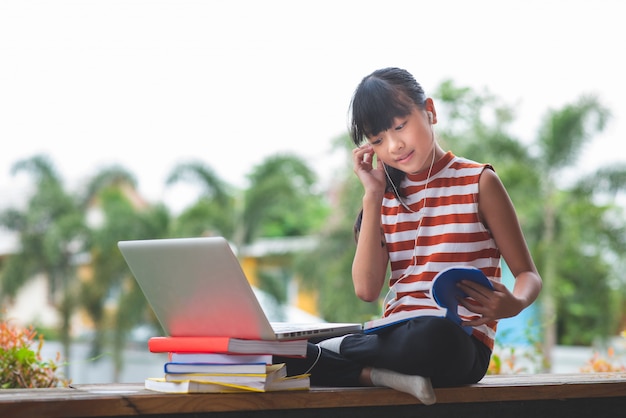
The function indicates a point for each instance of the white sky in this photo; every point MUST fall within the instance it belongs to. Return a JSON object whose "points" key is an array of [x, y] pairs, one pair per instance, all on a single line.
{"points": [[149, 84]]}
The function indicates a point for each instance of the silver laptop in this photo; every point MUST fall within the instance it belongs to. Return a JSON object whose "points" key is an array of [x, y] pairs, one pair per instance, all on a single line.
{"points": [[196, 287]]}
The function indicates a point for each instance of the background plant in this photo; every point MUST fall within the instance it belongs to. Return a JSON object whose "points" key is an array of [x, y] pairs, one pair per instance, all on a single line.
{"points": [[606, 362], [21, 364], [600, 363]]}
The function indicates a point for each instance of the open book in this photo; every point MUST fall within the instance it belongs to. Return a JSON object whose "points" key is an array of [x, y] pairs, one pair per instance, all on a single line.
{"points": [[444, 292]]}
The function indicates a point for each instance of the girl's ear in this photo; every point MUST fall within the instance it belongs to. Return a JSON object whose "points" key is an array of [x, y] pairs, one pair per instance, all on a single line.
{"points": [[429, 107]]}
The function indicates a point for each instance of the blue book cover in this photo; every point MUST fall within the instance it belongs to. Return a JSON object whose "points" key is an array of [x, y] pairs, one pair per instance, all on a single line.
{"points": [[446, 292]]}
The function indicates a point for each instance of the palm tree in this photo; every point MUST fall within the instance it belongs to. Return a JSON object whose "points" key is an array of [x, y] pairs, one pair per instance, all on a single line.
{"points": [[560, 142], [215, 212], [280, 200], [103, 192], [52, 233], [123, 215]]}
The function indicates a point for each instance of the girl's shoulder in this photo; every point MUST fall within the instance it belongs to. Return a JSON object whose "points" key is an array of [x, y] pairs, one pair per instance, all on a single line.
{"points": [[459, 167], [462, 162]]}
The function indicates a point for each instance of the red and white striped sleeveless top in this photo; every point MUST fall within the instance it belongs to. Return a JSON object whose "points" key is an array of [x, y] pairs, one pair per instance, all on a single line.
{"points": [[450, 234]]}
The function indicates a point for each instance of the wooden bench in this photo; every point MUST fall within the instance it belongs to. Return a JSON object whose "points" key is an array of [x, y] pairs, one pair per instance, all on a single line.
{"points": [[549, 395]]}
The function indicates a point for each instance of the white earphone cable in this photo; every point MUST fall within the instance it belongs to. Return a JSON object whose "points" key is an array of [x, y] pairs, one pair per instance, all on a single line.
{"points": [[417, 231]]}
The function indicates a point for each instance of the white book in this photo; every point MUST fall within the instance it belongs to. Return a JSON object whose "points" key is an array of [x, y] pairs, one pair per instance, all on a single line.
{"points": [[220, 358]]}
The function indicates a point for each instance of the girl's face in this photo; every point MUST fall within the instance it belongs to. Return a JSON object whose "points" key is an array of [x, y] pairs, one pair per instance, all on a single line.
{"points": [[408, 144]]}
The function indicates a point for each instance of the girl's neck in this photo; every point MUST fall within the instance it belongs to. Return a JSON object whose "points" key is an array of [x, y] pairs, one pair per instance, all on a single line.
{"points": [[430, 161]]}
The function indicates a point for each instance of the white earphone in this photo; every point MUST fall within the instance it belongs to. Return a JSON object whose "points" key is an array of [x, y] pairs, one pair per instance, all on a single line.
{"points": [[430, 117]]}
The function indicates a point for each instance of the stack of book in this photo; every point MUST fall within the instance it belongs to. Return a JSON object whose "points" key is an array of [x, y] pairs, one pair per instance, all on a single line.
{"points": [[222, 365]]}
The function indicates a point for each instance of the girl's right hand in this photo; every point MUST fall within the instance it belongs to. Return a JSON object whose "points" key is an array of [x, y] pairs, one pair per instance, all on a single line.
{"points": [[372, 176], [369, 267]]}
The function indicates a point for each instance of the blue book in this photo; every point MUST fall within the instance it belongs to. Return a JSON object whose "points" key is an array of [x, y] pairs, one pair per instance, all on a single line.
{"points": [[250, 368], [446, 292]]}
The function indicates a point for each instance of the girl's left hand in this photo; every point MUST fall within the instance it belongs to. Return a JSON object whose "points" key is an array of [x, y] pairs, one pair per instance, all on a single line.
{"points": [[489, 304]]}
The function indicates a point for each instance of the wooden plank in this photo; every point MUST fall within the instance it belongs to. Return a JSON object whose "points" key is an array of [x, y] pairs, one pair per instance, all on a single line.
{"points": [[538, 387], [128, 400]]}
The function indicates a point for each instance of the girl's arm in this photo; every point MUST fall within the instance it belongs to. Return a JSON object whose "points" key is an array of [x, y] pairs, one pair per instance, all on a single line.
{"points": [[499, 216], [369, 266]]}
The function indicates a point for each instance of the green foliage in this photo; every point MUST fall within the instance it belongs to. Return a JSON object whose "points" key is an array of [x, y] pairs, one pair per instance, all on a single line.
{"points": [[281, 200], [327, 270], [564, 131], [196, 171], [215, 211], [276, 283], [205, 217], [583, 276], [575, 247]]}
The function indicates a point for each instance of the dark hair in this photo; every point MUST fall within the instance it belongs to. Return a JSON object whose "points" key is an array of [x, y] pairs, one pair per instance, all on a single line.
{"points": [[381, 97]]}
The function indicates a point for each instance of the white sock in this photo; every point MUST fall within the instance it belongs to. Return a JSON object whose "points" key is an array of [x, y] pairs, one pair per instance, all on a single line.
{"points": [[418, 386], [332, 344]]}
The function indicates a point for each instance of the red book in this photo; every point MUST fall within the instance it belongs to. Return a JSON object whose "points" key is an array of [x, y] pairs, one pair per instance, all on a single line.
{"points": [[295, 348]]}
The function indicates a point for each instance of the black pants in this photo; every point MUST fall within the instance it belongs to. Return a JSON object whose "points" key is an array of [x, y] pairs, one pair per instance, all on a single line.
{"points": [[426, 346]]}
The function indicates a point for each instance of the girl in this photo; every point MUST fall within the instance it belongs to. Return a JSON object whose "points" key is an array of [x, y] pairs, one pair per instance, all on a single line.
{"points": [[424, 210]]}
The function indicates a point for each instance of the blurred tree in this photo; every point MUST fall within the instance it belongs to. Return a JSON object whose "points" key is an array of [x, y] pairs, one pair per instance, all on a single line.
{"points": [[281, 200], [327, 270], [215, 212], [117, 213], [52, 233], [585, 296], [561, 139]]}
